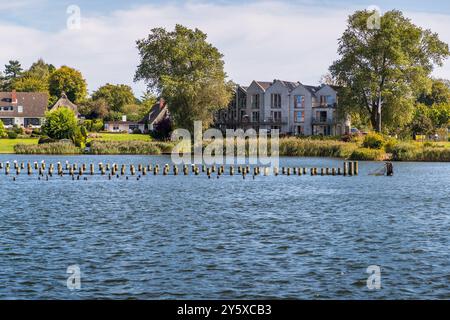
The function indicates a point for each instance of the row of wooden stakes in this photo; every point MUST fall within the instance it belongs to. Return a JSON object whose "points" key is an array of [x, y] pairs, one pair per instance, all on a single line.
{"points": [[350, 168]]}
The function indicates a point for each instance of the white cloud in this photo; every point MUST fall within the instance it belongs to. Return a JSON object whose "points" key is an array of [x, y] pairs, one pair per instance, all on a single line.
{"points": [[264, 40]]}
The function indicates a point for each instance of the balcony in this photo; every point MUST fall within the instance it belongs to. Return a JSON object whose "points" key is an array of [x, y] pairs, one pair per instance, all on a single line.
{"points": [[322, 121], [324, 105]]}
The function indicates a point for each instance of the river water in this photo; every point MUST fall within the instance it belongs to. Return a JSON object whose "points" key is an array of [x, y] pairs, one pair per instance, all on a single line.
{"points": [[180, 237]]}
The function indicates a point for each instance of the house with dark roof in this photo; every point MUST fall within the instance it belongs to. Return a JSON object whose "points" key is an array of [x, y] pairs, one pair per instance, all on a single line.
{"points": [[157, 113], [290, 107], [23, 109]]}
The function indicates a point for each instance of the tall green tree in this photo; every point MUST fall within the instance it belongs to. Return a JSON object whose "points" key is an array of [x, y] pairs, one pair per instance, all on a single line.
{"points": [[439, 93], [35, 79], [70, 81], [187, 71], [116, 96], [384, 69], [13, 69]]}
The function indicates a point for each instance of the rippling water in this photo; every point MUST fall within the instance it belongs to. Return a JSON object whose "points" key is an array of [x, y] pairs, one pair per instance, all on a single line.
{"points": [[228, 238]]}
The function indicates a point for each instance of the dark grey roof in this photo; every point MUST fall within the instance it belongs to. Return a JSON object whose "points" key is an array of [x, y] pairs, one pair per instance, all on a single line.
{"points": [[158, 111], [34, 104]]}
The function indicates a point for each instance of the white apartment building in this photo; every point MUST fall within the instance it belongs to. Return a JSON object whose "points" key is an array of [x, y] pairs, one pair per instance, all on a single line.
{"points": [[291, 107]]}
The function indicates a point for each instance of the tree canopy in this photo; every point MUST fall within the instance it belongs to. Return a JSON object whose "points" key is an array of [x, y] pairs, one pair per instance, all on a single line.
{"points": [[384, 69], [116, 96], [70, 81], [187, 71]]}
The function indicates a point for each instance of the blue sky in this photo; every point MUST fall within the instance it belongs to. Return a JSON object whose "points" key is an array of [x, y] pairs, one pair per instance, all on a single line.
{"points": [[291, 40]]}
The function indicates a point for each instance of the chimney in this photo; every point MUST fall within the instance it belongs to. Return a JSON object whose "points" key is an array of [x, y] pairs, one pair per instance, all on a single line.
{"points": [[124, 118], [14, 97]]}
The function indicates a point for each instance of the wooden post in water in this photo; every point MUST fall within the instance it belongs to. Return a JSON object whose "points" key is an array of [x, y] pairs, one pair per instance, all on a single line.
{"points": [[356, 168], [175, 170], [231, 170], [345, 169], [333, 171], [275, 171], [91, 169], [122, 170], [350, 168]]}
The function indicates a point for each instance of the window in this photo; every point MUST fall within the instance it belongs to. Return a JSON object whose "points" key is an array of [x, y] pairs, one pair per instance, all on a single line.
{"points": [[275, 100], [32, 122], [7, 108], [7, 121], [255, 116], [327, 100], [255, 101], [321, 116], [20, 109], [299, 101], [276, 116], [299, 116]]}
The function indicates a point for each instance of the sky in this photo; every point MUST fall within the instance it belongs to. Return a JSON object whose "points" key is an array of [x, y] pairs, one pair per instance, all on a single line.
{"points": [[260, 39]]}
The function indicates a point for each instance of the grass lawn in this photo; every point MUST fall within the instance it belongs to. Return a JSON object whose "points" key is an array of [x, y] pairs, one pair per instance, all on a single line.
{"points": [[7, 145], [121, 137]]}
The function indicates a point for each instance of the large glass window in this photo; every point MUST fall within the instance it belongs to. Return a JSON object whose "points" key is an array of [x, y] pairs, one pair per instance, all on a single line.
{"points": [[255, 101], [299, 116], [255, 116], [299, 101], [275, 100]]}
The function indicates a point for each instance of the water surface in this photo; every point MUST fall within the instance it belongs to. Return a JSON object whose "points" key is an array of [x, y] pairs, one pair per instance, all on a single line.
{"points": [[193, 238]]}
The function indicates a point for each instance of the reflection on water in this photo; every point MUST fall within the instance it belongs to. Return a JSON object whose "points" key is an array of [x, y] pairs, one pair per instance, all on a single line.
{"points": [[194, 238]]}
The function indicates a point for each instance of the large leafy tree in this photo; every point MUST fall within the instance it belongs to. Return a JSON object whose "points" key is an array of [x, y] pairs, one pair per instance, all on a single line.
{"points": [[187, 71], [13, 69], [438, 94], [35, 79], [70, 81], [384, 69], [116, 96]]}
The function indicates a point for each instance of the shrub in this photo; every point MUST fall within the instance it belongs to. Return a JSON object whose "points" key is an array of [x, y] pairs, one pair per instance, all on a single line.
{"points": [[137, 131], [373, 141], [3, 132], [48, 148], [366, 154], [315, 148], [405, 151], [390, 145], [60, 124], [12, 134], [45, 139]]}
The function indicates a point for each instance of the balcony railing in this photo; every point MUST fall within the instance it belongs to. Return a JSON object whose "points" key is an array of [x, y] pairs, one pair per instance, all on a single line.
{"points": [[324, 105], [324, 121]]}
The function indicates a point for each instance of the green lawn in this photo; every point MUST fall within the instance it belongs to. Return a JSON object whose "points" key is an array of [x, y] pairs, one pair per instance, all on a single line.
{"points": [[7, 145], [121, 137]]}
